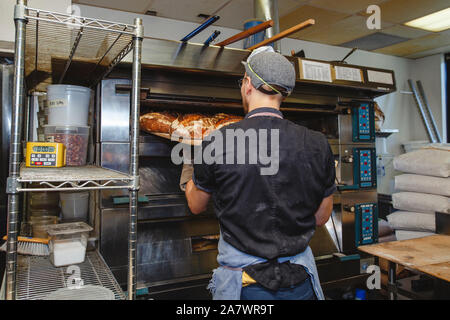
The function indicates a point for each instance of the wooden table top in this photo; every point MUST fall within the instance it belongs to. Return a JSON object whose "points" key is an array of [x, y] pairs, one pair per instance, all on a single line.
{"points": [[430, 254]]}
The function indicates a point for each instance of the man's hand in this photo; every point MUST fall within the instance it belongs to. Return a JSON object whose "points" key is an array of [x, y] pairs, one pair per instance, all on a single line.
{"points": [[324, 212], [197, 199]]}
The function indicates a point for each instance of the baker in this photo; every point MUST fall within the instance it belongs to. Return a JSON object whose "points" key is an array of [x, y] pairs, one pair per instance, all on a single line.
{"points": [[266, 220]]}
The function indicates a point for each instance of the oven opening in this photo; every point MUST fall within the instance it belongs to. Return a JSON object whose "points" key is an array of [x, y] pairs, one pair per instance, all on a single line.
{"points": [[204, 243]]}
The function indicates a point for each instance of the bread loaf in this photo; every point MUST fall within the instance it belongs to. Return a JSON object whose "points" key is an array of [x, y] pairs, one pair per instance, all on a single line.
{"points": [[226, 121], [159, 122], [193, 126]]}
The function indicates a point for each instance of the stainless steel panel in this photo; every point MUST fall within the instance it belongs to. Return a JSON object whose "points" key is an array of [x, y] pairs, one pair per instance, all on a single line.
{"points": [[164, 247], [6, 89], [192, 56], [115, 156], [115, 125], [343, 218]]}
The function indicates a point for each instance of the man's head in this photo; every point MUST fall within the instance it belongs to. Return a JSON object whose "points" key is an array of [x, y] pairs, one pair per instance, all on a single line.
{"points": [[269, 78]]}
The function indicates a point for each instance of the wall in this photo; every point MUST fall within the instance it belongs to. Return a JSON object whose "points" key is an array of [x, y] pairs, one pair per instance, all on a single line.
{"points": [[431, 72], [7, 29], [398, 107]]}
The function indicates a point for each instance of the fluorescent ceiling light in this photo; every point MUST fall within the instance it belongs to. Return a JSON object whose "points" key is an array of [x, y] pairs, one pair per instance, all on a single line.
{"points": [[438, 21]]}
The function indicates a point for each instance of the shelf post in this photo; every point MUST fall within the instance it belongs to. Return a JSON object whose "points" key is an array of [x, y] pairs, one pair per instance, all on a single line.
{"points": [[134, 157], [15, 148]]}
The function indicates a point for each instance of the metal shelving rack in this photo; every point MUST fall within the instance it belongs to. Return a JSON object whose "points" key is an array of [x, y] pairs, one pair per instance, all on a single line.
{"points": [[58, 48]]}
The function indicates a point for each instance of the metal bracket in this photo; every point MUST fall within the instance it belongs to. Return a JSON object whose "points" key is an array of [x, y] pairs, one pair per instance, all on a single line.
{"points": [[139, 31], [20, 12], [392, 288], [12, 185], [135, 183]]}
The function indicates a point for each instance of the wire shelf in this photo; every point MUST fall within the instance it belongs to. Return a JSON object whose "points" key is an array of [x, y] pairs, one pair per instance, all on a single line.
{"points": [[37, 277], [68, 49], [72, 178]]}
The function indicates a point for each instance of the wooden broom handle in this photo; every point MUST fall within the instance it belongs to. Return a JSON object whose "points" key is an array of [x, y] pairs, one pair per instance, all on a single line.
{"points": [[285, 33], [247, 33]]}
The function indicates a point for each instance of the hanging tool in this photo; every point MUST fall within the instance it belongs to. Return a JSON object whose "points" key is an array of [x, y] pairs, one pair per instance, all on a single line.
{"points": [[284, 34], [247, 33], [202, 27], [214, 35], [421, 111], [428, 111]]}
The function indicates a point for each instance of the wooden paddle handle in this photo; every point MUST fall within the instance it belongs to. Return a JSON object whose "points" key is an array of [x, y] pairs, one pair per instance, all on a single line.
{"points": [[285, 33], [247, 33]]}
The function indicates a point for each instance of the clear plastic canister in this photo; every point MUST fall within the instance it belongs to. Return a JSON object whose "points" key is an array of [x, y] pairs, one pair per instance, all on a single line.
{"points": [[74, 138]]}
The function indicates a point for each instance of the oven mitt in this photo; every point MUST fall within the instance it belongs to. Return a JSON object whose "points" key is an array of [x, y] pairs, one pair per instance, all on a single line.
{"points": [[186, 175]]}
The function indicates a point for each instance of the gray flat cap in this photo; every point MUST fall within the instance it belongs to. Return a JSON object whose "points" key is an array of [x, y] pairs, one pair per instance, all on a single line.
{"points": [[268, 67]]}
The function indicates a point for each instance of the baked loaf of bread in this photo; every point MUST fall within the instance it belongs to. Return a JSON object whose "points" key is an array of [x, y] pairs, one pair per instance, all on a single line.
{"points": [[193, 126], [157, 122], [225, 121]]}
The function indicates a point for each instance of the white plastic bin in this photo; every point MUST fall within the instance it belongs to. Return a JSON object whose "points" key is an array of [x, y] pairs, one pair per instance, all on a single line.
{"points": [[74, 206], [68, 105], [68, 242]]}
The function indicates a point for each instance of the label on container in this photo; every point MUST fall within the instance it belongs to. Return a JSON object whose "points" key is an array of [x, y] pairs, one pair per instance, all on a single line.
{"points": [[57, 103]]}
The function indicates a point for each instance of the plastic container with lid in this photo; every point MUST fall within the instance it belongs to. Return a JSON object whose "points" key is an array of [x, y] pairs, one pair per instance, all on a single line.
{"points": [[68, 242], [68, 105], [74, 206], [74, 138]]}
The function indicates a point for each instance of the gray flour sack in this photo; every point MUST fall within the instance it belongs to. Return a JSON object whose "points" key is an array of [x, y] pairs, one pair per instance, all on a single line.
{"points": [[429, 161], [423, 184], [420, 202]]}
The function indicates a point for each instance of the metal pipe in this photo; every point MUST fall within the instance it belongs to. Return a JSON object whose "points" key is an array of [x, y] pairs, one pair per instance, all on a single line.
{"points": [[392, 289], [212, 37], [268, 10], [15, 148], [202, 27], [134, 157], [421, 111], [429, 113]]}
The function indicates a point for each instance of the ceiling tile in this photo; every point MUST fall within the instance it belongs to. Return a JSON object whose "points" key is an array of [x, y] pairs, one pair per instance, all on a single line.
{"points": [[374, 41], [400, 11], [345, 30], [405, 32], [344, 6], [410, 47], [324, 18]]}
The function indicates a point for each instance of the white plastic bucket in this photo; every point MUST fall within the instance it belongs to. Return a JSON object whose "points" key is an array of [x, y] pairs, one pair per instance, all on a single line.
{"points": [[68, 105], [74, 206]]}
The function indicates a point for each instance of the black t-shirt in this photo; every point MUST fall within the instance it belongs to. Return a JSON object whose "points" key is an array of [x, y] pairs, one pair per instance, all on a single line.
{"points": [[268, 215]]}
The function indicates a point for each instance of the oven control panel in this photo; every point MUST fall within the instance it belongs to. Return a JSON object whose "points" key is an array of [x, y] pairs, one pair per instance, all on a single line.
{"points": [[365, 174], [363, 123], [366, 223]]}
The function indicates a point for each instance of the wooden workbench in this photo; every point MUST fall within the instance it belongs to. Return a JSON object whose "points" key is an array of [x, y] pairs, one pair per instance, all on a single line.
{"points": [[430, 255]]}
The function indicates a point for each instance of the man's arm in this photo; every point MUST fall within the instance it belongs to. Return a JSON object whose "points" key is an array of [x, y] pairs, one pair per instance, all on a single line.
{"points": [[197, 199], [324, 212]]}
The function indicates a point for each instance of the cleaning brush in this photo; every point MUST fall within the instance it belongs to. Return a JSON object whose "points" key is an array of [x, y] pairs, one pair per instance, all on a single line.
{"points": [[30, 246]]}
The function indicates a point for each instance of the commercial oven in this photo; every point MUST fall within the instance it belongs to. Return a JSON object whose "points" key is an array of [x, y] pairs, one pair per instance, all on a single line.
{"points": [[176, 249]]}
